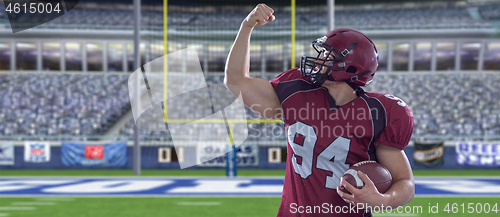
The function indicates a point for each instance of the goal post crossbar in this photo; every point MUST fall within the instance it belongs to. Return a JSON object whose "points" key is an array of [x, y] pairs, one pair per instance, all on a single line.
{"points": [[222, 121]]}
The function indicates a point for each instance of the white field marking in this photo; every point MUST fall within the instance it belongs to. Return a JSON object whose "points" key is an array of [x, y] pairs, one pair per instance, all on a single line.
{"points": [[108, 186], [4, 214], [460, 186], [33, 203], [17, 208], [199, 203], [54, 199], [227, 186], [16, 185]]}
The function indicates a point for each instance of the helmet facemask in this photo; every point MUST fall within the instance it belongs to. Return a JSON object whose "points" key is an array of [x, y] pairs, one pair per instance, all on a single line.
{"points": [[328, 59]]}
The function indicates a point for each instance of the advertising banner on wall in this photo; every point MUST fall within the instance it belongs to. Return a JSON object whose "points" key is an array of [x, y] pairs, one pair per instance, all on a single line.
{"points": [[7, 154], [209, 154], [428, 154], [36, 152], [105, 155], [479, 154]]}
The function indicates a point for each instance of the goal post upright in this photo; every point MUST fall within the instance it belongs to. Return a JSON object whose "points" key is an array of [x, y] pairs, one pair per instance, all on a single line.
{"points": [[165, 60]]}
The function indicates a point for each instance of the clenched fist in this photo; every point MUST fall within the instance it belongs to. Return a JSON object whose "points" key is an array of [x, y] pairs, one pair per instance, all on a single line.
{"points": [[259, 16]]}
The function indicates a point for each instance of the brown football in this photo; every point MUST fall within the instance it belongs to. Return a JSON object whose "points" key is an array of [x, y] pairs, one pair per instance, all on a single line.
{"points": [[379, 175]]}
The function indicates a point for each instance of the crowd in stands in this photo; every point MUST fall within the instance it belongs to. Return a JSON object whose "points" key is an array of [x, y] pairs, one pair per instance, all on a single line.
{"points": [[446, 104], [403, 18], [61, 104], [490, 11]]}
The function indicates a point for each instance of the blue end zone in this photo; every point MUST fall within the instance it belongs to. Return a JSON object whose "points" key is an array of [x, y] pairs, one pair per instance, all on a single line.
{"points": [[436, 186]]}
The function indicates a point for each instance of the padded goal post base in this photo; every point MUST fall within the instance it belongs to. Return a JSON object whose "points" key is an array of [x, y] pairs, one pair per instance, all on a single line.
{"points": [[231, 161]]}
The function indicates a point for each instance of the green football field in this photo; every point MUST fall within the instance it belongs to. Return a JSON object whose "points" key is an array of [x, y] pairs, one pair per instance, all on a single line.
{"points": [[216, 206]]}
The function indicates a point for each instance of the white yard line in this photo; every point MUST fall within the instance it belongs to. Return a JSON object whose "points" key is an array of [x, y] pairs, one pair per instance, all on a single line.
{"points": [[17, 208], [56, 199], [4, 214], [33, 203], [199, 203]]}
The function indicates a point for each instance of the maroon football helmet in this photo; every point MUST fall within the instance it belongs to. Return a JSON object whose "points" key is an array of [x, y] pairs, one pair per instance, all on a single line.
{"points": [[351, 57]]}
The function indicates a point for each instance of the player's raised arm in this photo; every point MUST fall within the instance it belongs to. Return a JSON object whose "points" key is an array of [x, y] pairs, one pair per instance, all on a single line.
{"points": [[258, 94]]}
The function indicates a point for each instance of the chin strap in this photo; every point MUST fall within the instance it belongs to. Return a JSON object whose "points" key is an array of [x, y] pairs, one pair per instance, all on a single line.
{"points": [[346, 51]]}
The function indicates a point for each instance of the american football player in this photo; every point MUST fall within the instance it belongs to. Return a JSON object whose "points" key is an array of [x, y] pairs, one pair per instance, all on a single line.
{"points": [[331, 122]]}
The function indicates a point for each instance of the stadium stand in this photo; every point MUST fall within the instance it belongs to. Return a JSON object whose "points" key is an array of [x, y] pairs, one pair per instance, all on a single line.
{"points": [[465, 105], [61, 104], [490, 11], [90, 104]]}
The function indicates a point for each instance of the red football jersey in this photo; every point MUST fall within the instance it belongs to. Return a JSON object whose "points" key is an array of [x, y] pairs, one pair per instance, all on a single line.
{"points": [[325, 139]]}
